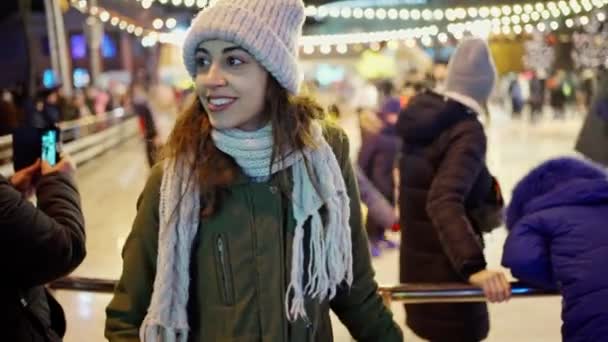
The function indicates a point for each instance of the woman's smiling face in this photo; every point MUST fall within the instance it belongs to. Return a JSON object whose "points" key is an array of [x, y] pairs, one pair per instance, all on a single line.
{"points": [[231, 85]]}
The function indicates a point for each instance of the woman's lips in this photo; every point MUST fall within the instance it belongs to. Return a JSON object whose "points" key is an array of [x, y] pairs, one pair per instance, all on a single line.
{"points": [[219, 104]]}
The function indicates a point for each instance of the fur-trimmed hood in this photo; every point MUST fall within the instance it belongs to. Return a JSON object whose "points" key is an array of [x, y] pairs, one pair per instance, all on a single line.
{"points": [[558, 182]]}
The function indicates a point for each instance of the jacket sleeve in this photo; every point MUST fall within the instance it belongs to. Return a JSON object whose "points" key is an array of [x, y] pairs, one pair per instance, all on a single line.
{"points": [[526, 254], [461, 164], [48, 240], [360, 307], [133, 293]]}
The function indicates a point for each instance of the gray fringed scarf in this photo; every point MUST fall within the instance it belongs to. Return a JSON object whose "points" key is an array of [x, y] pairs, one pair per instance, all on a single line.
{"points": [[330, 247]]}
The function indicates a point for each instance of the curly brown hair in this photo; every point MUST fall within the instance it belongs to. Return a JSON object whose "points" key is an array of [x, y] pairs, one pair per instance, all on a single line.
{"points": [[291, 116]]}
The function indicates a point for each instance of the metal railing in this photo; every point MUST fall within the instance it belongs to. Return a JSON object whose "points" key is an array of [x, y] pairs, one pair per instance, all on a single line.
{"points": [[83, 138], [84, 284], [404, 293], [450, 293]]}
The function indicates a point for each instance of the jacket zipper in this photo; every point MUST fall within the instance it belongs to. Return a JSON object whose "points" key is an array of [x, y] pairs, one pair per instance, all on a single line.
{"points": [[225, 272], [282, 234]]}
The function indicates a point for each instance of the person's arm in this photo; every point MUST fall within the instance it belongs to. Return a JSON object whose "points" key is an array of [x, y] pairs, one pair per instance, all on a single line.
{"points": [[455, 176], [41, 243], [526, 254], [360, 307], [461, 165], [133, 293]]}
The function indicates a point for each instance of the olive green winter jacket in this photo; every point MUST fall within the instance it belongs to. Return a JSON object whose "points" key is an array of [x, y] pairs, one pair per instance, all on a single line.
{"points": [[240, 269]]}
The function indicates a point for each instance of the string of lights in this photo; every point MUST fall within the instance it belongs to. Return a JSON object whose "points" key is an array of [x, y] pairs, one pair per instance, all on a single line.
{"points": [[105, 16], [150, 37], [544, 10], [177, 3], [480, 27]]}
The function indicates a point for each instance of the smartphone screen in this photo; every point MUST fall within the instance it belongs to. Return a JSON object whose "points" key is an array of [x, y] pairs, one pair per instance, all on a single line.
{"points": [[49, 147]]}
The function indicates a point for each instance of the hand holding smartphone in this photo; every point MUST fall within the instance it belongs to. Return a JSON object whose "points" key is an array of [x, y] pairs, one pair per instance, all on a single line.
{"points": [[31, 144]]}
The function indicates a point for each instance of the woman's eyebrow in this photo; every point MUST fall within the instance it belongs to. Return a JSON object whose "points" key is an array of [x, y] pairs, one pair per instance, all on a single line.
{"points": [[225, 50]]}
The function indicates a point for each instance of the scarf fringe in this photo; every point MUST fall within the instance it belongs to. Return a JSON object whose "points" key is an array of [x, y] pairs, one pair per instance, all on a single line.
{"points": [[156, 332], [330, 246]]}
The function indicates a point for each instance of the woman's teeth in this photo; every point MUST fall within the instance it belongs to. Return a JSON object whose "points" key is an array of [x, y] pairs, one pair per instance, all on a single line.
{"points": [[220, 101]]}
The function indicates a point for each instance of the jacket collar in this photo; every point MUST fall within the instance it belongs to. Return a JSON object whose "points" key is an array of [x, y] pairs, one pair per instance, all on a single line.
{"points": [[465, 100]]}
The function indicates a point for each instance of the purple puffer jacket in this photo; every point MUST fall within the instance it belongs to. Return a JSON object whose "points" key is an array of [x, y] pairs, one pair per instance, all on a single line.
{"points": [[558, 238]]}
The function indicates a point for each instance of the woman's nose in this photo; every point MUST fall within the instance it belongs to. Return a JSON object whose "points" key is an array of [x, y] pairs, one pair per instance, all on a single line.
{"points": [[214, 77]]}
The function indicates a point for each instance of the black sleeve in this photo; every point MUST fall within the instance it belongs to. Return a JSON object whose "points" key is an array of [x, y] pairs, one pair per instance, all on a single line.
{"points": [[41, 244], [455, 176]]}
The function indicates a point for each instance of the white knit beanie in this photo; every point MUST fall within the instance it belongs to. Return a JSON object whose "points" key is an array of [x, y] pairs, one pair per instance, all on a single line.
{"points": [[471, 71], [268, 29]]}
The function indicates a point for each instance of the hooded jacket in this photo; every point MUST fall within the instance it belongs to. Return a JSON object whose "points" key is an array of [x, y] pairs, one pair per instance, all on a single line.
{"points": [[558, 238], [442, 172]]}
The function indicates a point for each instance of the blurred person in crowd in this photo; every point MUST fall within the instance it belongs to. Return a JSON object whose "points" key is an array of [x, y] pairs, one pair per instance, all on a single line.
{"points": [[558, 240], [63, 104], [571, 84], [407, 92], [251, 227], [537, 97], [389, 103], [90, 93], [589, 86], [69, 111], [442, 174], [592, 141], [9, 116], [74, 110], [116, 92], [380, 212], [516, 95], [80, 105], [333, 113], [586, 90], [379, 147], [163, 106], [46, 112], [39, 244], [556, 85], [139, 102], [101, 102], [348, 119]]}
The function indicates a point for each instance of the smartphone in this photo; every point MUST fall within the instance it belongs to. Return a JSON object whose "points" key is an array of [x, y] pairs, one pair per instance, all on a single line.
{"points": [[49, 140], [31, 143]]}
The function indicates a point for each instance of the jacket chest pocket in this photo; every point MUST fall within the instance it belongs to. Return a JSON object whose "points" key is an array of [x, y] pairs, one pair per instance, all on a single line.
{"points": [[223, 269]]}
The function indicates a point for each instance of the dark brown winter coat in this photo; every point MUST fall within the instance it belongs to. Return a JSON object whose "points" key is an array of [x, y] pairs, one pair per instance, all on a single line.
{"points": [[442, 172]]}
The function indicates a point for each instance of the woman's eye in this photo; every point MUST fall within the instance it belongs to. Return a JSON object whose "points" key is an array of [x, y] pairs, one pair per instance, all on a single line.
{"points": [[202, 61], [233, 61]]}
